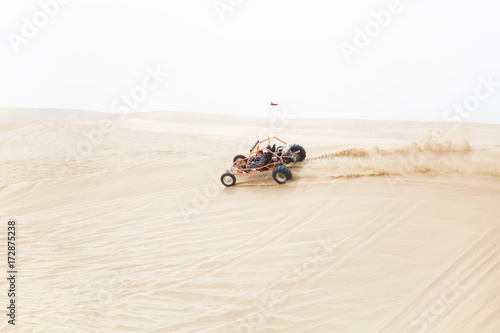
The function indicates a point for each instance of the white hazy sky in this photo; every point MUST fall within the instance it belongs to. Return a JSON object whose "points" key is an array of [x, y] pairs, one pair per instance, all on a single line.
{"points": [[89, 53]]}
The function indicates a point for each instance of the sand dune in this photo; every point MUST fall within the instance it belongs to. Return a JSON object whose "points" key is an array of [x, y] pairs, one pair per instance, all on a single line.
{"points": [[124, 226]]}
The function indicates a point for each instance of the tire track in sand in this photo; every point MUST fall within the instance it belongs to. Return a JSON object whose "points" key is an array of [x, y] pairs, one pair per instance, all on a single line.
{"points": [[472, 266]]}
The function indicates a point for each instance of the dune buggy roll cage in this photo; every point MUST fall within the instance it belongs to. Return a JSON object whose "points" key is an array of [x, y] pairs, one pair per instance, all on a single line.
{"points": [[240, 167]]}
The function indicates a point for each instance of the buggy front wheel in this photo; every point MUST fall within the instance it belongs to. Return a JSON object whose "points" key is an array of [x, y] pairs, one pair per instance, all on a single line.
{"points": [[239, 157], [228, 179]]}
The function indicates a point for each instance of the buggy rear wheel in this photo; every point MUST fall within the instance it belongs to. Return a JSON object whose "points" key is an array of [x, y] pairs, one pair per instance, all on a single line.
{"points": [[228, 179], [281, 174], [296, 147]]}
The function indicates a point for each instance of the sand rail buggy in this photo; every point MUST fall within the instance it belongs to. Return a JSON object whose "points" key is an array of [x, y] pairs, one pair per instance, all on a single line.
{"points": [[269, 155]]}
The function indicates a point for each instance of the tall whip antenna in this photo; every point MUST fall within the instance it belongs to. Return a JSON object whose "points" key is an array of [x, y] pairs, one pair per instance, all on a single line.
{"points": [[269, 116]]}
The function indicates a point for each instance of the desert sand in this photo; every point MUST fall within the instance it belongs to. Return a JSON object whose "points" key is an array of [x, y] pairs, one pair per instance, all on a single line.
{"points": [[124, 226]]}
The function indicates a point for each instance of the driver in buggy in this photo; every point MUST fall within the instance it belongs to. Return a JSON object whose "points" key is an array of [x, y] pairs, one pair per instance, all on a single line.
{"points": [[262, 158]]}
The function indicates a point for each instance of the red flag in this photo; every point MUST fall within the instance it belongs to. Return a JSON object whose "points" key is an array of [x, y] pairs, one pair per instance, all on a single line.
{"points": [[272, 104]]}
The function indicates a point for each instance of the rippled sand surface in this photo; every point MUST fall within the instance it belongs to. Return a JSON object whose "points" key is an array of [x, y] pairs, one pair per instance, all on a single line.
{"points": [[124, 226]]}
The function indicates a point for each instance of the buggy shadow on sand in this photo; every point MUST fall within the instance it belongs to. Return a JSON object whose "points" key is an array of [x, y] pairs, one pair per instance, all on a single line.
{"points": [[269, 158]]}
